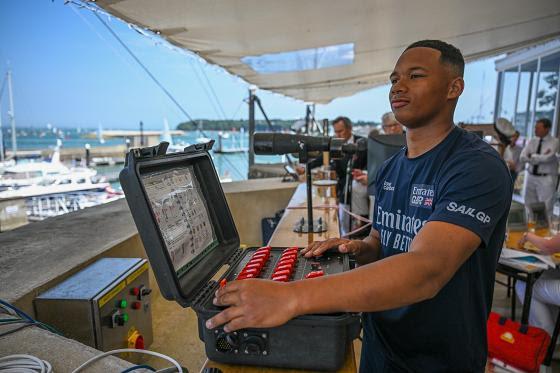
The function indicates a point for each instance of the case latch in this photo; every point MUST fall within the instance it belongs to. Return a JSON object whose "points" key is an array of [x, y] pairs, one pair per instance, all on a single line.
{"points": [[149, 152], [197, 148]]}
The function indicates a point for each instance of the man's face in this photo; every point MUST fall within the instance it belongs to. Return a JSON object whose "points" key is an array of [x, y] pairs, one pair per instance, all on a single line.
{"points": [[341, 131], [420, 87], [392, 127], [541, 130]]}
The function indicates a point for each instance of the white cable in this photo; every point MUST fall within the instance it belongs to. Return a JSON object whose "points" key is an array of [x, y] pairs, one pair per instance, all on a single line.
{"points": [[24, 364], [113, 352]]}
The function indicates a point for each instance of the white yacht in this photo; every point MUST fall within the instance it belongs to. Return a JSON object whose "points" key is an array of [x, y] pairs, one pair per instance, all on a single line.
{"points": [[40, 178]]}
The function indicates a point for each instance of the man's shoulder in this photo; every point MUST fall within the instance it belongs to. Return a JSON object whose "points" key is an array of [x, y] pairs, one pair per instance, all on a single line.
{"points": [[472, 147]]}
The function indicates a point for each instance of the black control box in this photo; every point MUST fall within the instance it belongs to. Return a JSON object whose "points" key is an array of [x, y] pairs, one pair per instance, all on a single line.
{"points": [[185, 224]]}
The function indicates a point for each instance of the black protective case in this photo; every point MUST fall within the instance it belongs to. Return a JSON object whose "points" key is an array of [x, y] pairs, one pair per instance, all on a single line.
{"points": [[316, 342]]}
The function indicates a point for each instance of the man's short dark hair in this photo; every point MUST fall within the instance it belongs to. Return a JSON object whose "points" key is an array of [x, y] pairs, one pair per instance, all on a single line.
{"points": [[545, 122], [450, 55], [347, 122]]}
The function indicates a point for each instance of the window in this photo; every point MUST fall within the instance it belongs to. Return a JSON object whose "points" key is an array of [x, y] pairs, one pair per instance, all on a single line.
{"points": [[527, 82], [304, 59], [508, 93], [547, 87]]}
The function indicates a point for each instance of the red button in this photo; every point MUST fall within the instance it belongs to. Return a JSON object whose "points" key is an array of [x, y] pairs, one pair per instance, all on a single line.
{"points": [[281, 278], [314, 274], [285, 256], [286, 272], [136, 305], [135, 291], [257, 260], [289, 261], [254, 271], [285, 266], [243, 276], [253, 265]]}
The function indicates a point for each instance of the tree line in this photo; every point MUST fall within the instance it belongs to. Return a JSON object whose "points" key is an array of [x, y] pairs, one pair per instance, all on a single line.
{"points": [[226, 125]]}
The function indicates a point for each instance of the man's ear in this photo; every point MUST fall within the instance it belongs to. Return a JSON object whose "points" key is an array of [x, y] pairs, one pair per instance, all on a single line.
{"points": [[456, 88]]}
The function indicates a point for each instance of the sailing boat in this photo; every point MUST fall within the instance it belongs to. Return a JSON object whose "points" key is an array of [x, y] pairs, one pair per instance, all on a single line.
{"points": [[202, 139], [166, 136]]}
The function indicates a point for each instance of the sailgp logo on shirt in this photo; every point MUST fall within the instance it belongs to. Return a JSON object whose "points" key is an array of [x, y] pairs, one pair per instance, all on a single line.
{"points": [[478, 215], [388, 186], [422, 195]]}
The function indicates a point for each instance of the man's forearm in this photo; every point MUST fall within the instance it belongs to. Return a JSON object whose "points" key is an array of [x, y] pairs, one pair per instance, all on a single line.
{"points": [[393, 282]]}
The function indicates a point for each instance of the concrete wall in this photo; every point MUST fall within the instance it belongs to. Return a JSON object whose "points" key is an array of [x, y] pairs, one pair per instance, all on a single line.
{"points": [[252, 200]]}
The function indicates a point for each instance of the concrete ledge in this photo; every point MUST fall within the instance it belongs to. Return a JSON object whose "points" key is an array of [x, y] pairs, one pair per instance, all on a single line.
{"points": [[62, 353]]}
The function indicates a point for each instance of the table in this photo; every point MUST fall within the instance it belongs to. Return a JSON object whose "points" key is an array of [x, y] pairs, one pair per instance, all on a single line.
{"points": [[527, 273], [529, 277], [284, 236], [324, 207]]}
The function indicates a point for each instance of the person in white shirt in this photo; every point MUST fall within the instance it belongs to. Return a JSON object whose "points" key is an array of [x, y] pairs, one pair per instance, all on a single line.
{"points": [[545, 301], [511, 156], [542, 166]]}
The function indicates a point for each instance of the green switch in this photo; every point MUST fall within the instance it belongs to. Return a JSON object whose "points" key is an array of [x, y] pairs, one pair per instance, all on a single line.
{"points": [[123, 303]]}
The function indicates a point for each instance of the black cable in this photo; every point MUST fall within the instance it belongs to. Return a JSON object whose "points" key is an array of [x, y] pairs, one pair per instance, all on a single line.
{"points": [[197, 75], [157, 82], [213, 92], [27, 324], [146, 70], [233, 167]]}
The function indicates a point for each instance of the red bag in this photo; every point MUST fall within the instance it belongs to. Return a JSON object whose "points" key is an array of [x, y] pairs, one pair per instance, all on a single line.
{"points": [[521, 346]]}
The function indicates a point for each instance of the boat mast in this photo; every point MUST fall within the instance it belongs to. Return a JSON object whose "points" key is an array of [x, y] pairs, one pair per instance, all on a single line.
{"points": [[11, 114], [1, 134]]}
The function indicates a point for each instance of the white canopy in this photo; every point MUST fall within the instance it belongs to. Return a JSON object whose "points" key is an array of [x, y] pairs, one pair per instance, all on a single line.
{"points": [[358, 40]]}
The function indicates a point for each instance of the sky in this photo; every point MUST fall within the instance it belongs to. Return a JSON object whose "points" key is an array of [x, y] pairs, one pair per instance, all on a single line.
{"points": [[69, 71]]}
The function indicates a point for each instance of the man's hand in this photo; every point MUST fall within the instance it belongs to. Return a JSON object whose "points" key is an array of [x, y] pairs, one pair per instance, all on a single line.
{"points": [[254, 303], [366, 250], [343, 245], [300, 170], [360, 176]]}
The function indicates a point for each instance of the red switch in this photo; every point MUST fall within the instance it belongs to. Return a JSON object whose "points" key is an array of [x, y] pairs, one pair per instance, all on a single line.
{"points": [[136, 305], [286, 272], [283, 267], [135, 291], [139, 344]]}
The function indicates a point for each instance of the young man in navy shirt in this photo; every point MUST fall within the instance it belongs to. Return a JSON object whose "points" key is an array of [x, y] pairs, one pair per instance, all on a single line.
{"points": [[426, 273]]}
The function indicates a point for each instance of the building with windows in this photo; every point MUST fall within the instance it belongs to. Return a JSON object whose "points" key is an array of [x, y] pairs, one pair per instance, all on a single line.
{"points": [[528, 87]]}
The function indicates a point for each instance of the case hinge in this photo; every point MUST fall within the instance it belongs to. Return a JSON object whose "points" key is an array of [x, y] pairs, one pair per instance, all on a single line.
{"points": [[211, 286], [202, 295], [234, 257], [197, 148]]}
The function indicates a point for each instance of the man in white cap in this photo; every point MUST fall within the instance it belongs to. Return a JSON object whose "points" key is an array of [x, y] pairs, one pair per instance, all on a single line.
{"points": [[542, 166]]}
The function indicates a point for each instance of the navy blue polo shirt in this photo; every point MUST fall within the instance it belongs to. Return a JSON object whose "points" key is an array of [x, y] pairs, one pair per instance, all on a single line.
{"points": [[462, 181]]}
